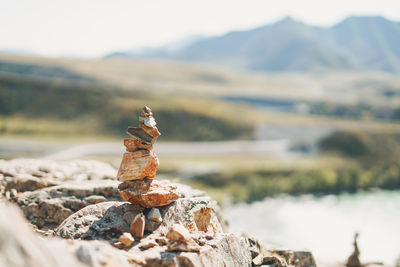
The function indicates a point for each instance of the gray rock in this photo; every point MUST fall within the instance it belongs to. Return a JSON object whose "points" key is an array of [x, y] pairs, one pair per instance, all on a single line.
{"points": [[296, 258], [103, 221], [48, 207], [93, 218], [154, 215], [32, 174], [97, 254], [188, 212], [20, 247]]}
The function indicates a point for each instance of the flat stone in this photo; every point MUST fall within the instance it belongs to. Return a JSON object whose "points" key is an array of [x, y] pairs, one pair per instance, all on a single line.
{"points": [[148, 193], [138, 133], [138, 165], [126, 239], [153, 131], [178, 233], [137, 226]]}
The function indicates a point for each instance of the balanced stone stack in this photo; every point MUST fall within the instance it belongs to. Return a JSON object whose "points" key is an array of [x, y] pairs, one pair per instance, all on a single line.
{"points": [[140, 164]]}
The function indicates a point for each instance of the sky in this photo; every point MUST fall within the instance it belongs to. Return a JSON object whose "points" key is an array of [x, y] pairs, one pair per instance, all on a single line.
{"points": [[93, 28]]}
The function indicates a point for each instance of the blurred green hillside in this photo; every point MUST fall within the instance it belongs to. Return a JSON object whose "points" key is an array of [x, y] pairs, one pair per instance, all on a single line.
{"points": [[87, 99], [102, 96], [33, 92]]}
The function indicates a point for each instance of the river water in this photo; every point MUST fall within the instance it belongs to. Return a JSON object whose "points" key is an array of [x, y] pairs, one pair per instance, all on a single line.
{"points": [[326, 225]]}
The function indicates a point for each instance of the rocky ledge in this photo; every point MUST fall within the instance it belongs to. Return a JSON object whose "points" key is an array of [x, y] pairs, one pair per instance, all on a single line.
{"points": [[82, 221]]}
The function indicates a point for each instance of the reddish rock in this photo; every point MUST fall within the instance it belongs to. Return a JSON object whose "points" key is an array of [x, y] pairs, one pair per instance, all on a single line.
{"points": [[202, 218], [138, 165], [148, 193], [130, 145], [142, 145], [137, 226]]}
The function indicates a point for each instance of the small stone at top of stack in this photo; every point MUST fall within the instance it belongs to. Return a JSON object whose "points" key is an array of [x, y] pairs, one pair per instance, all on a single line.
{"points": [[140, 162], [146, 134]]}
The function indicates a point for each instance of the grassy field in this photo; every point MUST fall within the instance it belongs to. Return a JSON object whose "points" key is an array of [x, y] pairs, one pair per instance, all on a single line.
{"points": [[95, 100]]}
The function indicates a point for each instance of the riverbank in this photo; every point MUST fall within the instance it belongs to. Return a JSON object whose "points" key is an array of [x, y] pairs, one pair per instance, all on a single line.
{"points": [[326, 225]]}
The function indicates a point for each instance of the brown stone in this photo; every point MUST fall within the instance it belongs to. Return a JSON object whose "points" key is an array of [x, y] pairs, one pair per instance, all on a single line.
{"points": [[138, 165], [146, 112], [137, 226], [202, 218], [130, 145], [138, 133], [148, 193], [153, 131]]}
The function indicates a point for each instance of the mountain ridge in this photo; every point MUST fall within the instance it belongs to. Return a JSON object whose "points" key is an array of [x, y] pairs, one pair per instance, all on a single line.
{"points": [[357, 42]]}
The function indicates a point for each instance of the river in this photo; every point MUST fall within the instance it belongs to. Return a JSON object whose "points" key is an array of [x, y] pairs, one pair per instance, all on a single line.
{"points": [[326, 225]]}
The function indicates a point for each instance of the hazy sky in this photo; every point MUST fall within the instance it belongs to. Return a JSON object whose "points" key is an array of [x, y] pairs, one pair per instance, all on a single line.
{"points": [[92, 28]]}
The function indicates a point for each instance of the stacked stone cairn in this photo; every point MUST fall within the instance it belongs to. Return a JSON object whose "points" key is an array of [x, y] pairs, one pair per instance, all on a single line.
{"points": [[137, 172]]}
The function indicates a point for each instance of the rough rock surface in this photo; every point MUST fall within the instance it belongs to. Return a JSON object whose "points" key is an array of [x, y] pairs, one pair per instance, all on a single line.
{"points": [[116, 217], [103, 221], [31, 174], [148, 193], [50, 206], [126, 239], [19, 246], [137, 226], [138, 165], [188, 232]]}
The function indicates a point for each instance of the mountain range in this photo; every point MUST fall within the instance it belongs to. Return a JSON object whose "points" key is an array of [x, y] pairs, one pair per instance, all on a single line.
{"points": [[356, 43]]}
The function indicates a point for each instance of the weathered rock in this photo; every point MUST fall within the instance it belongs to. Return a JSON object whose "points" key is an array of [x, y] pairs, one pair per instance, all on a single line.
{"points": [[154, 215], [180, 240], [147, 243], [137, 226], [130, 145], [182, 211], [148, 193], [141, 135], [223, 250], [21, 247], [152, 131], [32, 174], [126, 239], [97, 253], [295, 258], [178, 233], [48, 207], [27, 182], [138, 165], [103, 221], [151, 226], [199, 241]]}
